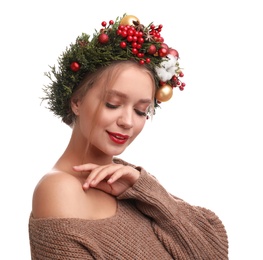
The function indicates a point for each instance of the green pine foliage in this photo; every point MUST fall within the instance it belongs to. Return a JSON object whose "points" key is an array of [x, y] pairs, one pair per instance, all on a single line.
{"points": [[90, 54]]}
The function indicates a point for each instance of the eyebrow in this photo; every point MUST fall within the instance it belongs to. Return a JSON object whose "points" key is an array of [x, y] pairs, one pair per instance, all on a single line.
{"points": [[124, 96]]}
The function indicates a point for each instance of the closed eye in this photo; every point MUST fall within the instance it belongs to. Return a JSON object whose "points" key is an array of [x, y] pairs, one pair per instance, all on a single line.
{"points": [[140, 113], [111, 106]]}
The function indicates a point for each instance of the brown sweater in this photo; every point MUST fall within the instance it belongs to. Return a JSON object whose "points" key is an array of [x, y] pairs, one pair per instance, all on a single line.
{"points": [[149, 224]]}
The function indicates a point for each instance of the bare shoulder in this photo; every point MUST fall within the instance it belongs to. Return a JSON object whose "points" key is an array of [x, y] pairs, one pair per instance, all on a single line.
{"points": [[59, 194]]}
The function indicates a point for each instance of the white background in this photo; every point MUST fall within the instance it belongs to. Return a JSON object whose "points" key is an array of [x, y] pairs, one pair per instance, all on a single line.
{"points": [[205, 145]]}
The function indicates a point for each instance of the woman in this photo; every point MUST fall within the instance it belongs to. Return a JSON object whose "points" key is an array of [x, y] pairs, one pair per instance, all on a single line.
{"points": [[92, 205]]}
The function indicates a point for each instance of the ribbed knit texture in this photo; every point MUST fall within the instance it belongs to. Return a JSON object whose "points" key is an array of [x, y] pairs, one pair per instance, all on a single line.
{"points": [[149, 224]]}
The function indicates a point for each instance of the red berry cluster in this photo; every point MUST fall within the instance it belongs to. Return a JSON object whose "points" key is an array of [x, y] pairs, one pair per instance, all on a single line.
{"points": [[136, 40], [176, 82], [135, 37], [103, 37], [155, 33]]}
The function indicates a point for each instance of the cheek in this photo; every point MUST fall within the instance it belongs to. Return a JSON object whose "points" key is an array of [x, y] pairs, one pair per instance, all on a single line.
{"points": [[138, 127], [104, 118], [86, 121]]}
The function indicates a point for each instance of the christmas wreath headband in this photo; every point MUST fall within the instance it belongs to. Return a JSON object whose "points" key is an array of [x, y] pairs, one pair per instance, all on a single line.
{"points": [[123, 39]]}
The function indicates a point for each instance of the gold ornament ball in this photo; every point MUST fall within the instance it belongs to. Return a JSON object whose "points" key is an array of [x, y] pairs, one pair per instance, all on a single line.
{"points": [[164, 93], [129, 19]]}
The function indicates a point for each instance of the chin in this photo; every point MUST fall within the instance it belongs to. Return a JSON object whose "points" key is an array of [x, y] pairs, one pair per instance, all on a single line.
{"points": [[117, 151], [114, 151]]}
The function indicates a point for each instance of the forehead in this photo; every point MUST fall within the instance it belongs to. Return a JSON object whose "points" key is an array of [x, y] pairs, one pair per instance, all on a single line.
{"points": [[113, 94], [127, 78], [131, 79]]}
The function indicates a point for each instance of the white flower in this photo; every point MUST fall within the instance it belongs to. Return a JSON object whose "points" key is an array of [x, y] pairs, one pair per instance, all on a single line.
{"points": [[167, 68]]}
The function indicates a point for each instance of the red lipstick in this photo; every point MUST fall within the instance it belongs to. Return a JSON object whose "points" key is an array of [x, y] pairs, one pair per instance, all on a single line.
{"points": [[118, 138]]}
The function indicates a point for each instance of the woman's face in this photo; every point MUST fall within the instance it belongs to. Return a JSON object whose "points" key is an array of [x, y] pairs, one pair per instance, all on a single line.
{"points": [[122, 112]]}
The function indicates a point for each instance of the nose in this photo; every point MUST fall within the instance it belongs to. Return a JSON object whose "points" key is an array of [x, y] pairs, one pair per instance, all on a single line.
{"points": [[125, 119]]}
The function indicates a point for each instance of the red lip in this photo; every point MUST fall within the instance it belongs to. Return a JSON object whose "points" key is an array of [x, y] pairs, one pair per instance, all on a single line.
{"points": [[118, 138]]}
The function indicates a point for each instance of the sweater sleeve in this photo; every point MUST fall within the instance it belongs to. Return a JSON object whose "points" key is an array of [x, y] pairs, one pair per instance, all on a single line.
{"points": [[186, 231]]}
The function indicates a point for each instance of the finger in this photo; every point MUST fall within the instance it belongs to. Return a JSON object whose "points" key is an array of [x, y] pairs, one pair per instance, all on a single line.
{"points": [[117, 175], [85, 167], [129, 173], [104, 186], [93, 179], [101, 173]]}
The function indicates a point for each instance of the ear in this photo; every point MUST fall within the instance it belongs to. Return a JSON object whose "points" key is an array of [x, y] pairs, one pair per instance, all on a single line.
{"points": [[75, 106]]}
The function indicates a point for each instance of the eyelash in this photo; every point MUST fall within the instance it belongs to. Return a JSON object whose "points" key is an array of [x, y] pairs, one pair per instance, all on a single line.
{"points": [[108, 105], [138, 112]]}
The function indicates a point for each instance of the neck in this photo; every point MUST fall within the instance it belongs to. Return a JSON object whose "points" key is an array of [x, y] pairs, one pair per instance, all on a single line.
{"points": [[80, 152]]}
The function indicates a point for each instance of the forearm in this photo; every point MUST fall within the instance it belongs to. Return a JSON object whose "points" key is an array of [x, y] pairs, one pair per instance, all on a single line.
{"points": [[180, 226]]}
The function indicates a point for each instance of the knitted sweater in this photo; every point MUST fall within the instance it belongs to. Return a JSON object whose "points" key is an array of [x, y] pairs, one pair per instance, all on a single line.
{"points": [[149, 224]]}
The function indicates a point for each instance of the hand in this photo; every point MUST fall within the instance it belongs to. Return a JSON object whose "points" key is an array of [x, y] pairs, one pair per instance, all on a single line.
{"points": [[111, 178]]}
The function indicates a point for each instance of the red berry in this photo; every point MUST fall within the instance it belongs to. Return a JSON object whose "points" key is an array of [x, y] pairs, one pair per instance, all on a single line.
{"points": [[135, 38], [111, 22], [123, 45], [147, 60], [104, 24], [134, 51], [130, 32], [74, 66], [134, 44], [129, 38], [103, 38], [140, 40], [124, 34], [140, 54], [151, 49], [162, 52]]}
